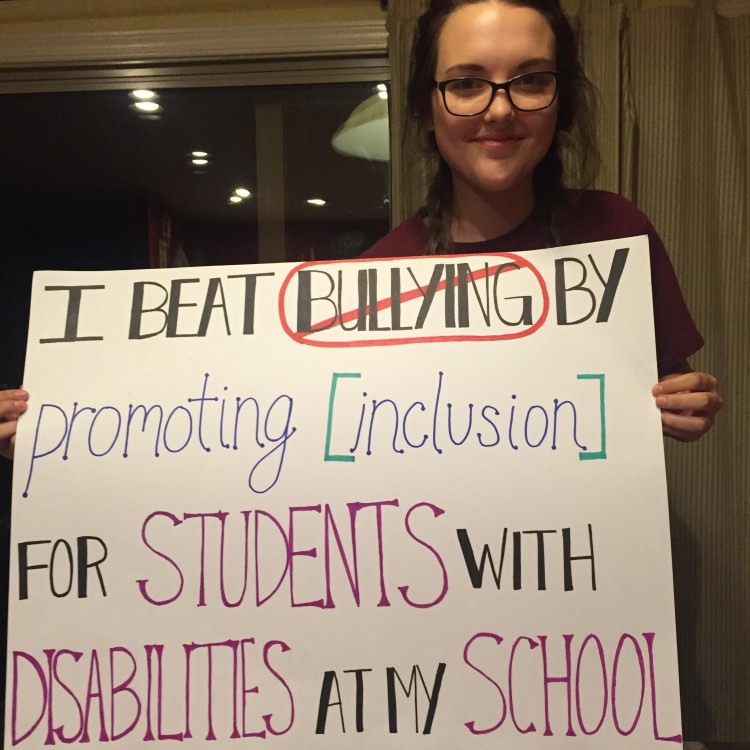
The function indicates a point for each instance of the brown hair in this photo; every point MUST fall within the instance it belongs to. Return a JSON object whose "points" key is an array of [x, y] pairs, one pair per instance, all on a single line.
{"points": [[574, 133]]}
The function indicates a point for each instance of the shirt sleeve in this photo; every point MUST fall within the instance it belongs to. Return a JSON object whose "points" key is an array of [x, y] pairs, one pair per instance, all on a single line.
{"points": [[677, 336], [599, 215]]}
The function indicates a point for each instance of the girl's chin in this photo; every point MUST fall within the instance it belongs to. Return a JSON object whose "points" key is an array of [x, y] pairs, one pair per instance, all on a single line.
{"points": [[495, 184]]}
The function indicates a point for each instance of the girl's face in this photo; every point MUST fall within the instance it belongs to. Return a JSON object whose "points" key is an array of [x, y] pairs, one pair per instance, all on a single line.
{"points": [[493, 153]]}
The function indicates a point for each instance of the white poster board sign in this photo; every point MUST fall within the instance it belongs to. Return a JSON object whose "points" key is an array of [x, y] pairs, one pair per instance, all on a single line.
{"points": [[371, 504]]}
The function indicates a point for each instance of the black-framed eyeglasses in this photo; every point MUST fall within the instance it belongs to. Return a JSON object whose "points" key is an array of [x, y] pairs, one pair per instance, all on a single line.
{"points": [[469, 96]]}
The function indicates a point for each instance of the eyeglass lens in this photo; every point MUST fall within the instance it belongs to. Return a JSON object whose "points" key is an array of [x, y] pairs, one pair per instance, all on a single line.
{"points": [[471, 96]]}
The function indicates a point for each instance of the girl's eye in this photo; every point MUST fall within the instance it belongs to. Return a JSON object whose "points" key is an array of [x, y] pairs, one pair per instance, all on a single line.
{"points": [[467, 86], [533, 81]]}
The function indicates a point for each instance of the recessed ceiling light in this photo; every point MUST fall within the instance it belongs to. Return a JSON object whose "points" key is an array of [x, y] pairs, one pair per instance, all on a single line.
{"points": [[145, 106], [199, 154], [242, 192], [143, 94], [317, 202], [235, 199], [200, 162]]}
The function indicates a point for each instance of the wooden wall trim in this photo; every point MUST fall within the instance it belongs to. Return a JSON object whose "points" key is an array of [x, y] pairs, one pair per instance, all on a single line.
{"points": [[49, 48]]}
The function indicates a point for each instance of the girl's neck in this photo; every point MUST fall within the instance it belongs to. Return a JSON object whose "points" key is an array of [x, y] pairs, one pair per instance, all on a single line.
{"points": [[481, 216]]}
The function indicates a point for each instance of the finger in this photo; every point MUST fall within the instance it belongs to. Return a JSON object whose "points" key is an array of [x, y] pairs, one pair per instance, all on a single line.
{"points": [[7, 429], [11, 396], [689, 381], [685, 427], [707, 402], [7, 438], [14, 394], [12, 409], [678, 434]]}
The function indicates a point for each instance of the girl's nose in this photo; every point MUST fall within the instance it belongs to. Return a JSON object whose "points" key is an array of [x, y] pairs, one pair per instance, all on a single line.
{"points": [[500, 106]]}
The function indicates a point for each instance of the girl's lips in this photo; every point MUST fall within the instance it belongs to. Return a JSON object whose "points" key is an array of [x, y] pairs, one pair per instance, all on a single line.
{"points": [[499, 144], [490, 139]]}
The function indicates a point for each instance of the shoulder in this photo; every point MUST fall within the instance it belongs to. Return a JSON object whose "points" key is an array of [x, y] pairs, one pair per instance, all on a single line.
{"points": [[579, 200], [408, 238], [595, 215]]}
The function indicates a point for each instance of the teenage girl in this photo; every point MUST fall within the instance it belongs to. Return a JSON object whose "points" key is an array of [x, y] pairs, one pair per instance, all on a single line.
{"points": [[497, 91]]}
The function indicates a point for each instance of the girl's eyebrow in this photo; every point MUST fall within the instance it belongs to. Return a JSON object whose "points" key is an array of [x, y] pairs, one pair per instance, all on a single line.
{"points": [[535, 63], [530, 64], [465, 68]]}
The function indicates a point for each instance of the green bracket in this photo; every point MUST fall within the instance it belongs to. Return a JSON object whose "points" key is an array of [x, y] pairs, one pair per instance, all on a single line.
{"points": [[602, 453], [328, 455]]}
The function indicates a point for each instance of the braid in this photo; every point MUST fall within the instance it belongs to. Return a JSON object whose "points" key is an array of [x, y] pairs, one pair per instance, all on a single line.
{"points": [[438, 211], [549, 194]]}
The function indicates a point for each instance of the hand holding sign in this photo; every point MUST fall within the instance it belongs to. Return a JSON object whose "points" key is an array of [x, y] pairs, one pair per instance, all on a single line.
{"points": [[12, 405], [689, 401]]}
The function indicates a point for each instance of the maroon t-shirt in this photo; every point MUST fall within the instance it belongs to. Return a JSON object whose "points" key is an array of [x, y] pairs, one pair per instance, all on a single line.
{"points": [[592, 217]]}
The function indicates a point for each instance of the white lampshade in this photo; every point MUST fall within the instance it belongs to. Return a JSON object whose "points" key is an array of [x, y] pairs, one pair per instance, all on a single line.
{"points": [[365, 133]]}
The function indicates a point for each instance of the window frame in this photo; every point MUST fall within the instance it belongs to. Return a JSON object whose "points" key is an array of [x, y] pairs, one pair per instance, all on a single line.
{"points": [[326, 52], [237, 55]]}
